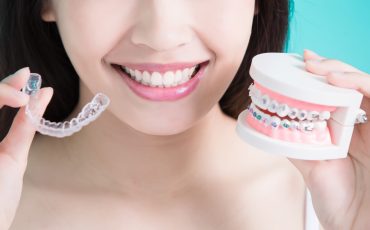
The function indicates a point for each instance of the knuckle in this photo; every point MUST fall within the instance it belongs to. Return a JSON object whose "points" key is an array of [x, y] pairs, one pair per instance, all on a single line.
{"points": [[331, 61], [21, 118]]}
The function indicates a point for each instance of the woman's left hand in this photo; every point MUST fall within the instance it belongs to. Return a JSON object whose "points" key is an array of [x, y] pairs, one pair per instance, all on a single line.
{"points": [[340, 188]]}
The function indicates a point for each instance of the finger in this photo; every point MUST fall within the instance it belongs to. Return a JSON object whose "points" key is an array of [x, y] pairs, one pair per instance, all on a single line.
{"points": [[326, 66], [18, 141], [18, 79], [310, 55], [304, 166], [351, 80], [12, 97]]}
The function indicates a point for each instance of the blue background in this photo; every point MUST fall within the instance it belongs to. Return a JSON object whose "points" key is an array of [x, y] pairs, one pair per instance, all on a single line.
{"points": [[338, 29]]}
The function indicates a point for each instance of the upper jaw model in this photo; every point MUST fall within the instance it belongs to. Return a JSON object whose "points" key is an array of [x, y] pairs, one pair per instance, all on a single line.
{"points": [[296, 113]]}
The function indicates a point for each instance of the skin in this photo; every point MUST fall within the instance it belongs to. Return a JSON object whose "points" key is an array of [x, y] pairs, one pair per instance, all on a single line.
{"points": [[343, 203], [142, 170]]}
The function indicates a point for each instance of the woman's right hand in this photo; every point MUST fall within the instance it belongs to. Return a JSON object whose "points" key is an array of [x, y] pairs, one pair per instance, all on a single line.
{"points": [[15, 146]]}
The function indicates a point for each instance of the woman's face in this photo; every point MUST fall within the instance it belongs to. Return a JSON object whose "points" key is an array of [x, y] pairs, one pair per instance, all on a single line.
{"points": [[150, 36]]}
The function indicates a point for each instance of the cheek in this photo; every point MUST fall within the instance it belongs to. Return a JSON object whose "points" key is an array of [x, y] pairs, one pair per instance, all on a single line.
{"points": [[227, 28], [227, 35], [89, 31]]}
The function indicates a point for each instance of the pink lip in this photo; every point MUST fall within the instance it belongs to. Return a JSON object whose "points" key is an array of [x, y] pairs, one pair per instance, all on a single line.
{"points": [[160, 68], [164, 94]]}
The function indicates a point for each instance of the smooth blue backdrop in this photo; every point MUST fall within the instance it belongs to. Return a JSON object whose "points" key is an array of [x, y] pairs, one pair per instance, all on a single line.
{"points": [[338, 29]]}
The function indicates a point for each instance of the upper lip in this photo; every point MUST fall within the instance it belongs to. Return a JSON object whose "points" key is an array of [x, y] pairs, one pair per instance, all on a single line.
{"points": [[155, 67]]}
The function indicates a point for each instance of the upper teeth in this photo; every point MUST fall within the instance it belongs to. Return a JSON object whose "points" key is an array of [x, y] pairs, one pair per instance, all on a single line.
{"points": [[156, 79], [264, 102]]}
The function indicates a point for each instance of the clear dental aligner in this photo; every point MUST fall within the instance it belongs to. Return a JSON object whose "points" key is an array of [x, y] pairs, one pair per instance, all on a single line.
{"points": [[89, 113]]}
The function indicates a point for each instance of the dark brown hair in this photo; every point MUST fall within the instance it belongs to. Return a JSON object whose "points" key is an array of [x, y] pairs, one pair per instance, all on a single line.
{"points": [[26, 40]]}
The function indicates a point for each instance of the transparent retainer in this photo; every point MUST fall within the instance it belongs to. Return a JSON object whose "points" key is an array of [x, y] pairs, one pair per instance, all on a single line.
{"points": [[90, 112]]}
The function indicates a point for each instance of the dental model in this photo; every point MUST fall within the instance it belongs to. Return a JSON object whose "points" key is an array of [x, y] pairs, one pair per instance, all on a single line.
{"points": [[89, 113], [296, 113]]}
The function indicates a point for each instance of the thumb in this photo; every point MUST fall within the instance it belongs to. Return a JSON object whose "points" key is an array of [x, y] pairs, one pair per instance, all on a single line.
{"points": [[19, 139]]}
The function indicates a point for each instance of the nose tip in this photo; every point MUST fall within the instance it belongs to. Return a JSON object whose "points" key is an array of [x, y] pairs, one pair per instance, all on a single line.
{"points": [[161, 38]]}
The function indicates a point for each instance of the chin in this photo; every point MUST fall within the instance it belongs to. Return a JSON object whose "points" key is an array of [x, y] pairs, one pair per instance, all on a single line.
{"points": [[161, 126]]}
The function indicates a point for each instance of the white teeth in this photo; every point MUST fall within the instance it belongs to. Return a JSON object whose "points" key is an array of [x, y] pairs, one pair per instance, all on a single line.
{"points": [[185, 76], [156, 79], [264, 102], [132, 72], [307, 126], [313, 115], [273, 106], [294, 125], [275, 122], [138, 75], [282, 110], [168, 79], [320, 125], [325, 115], [302, 115], [266, 119], [293, 113], [178, 76], [285, 123], [146, 78], [185, 72]]}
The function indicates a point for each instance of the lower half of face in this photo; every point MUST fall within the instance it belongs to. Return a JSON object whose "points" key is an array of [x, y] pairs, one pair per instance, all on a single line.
{"points": [[163, 65]]}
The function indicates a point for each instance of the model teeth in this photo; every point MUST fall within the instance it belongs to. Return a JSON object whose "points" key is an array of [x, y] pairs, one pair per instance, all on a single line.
{"points": [[283, 110], [302, 115], [264, 102], [273, 106], [276, 122], [293, 113], [286, 117], [167, 79]]}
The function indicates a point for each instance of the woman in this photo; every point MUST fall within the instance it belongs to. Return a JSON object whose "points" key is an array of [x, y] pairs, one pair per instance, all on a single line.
{"points": [[159, 160]]}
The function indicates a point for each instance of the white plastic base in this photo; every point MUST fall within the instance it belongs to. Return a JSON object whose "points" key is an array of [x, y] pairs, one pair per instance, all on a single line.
{"points": [[285, 148]]}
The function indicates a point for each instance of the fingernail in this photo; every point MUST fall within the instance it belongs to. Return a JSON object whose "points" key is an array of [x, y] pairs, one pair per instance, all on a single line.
{"points": [[7, 79], [23, 69], [314, 54], [310, 51]]}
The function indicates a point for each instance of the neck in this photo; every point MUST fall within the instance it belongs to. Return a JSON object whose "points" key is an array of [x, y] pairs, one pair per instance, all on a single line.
{"points": [[116, 155]]}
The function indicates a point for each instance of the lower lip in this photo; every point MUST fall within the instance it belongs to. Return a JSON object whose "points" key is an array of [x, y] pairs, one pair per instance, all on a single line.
{"points": [[165, 94]]}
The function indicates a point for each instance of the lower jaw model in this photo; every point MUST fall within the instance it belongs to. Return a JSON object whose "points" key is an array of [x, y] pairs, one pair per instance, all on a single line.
{"points": [[90, 112], [295, 113]]}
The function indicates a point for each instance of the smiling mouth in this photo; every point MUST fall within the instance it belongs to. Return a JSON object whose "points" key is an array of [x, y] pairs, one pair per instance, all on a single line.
{"points": [[288, 119], [162, 78]]}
